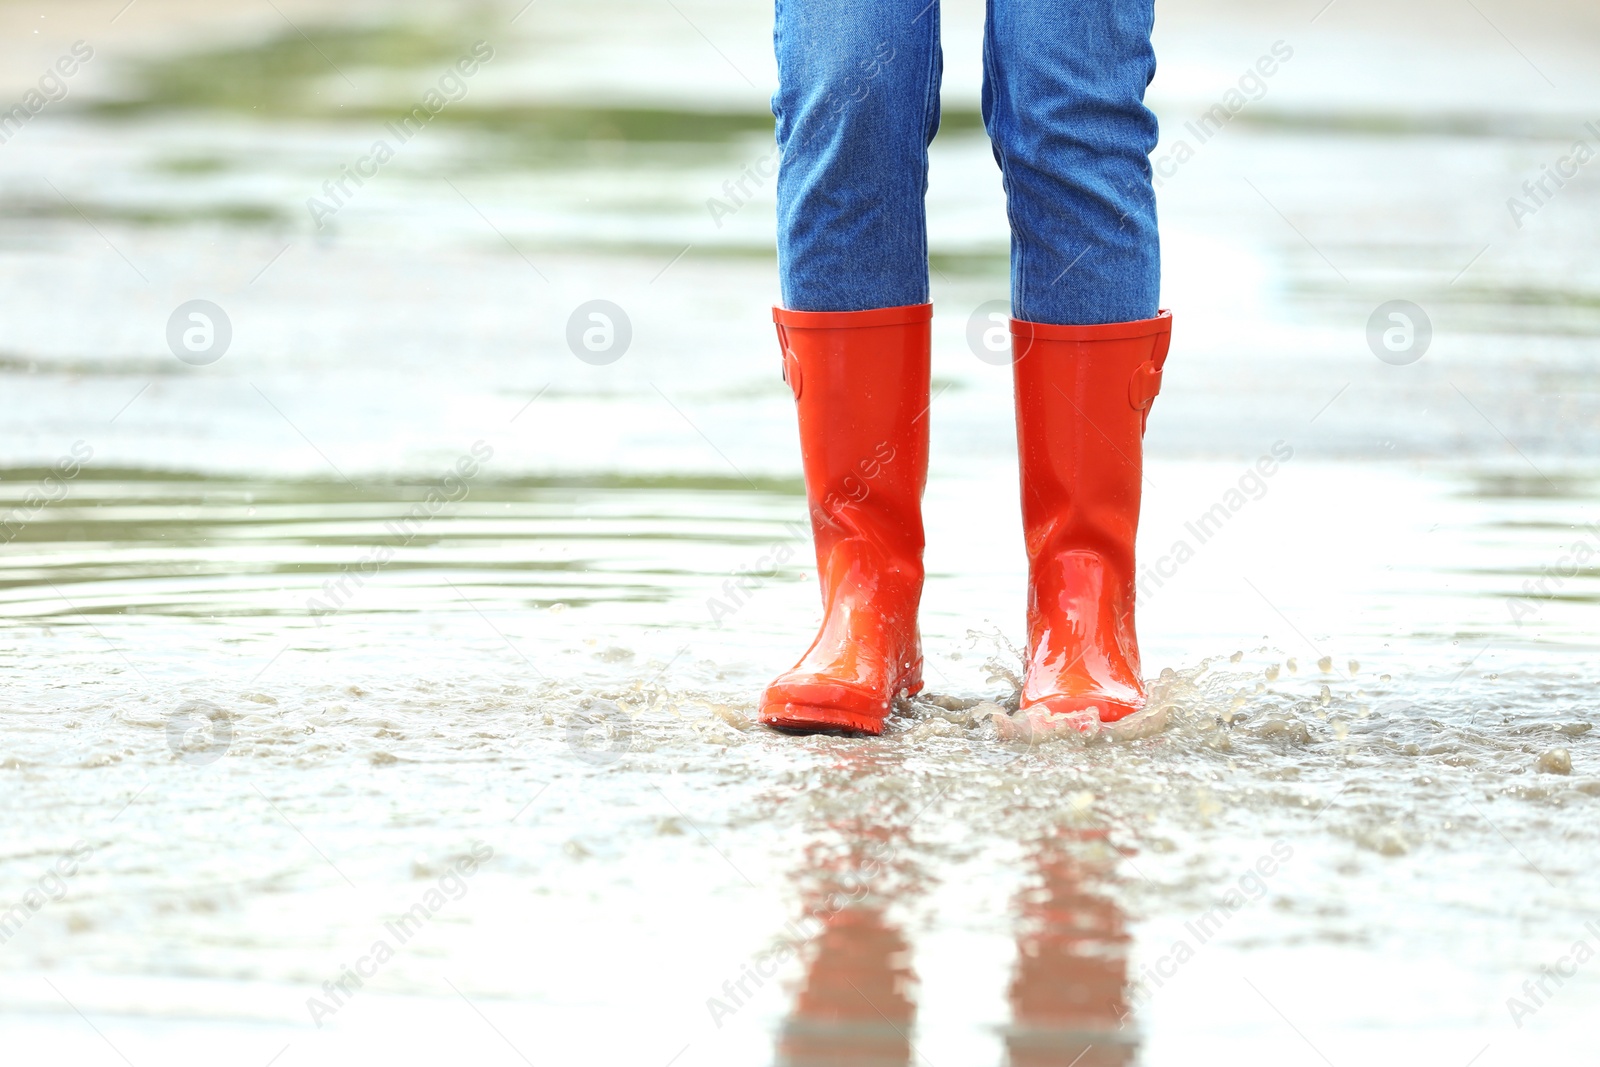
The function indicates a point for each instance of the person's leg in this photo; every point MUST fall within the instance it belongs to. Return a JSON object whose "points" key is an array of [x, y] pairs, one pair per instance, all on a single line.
{"points": [[1064, 104], [1063, 100], [857, 103]]}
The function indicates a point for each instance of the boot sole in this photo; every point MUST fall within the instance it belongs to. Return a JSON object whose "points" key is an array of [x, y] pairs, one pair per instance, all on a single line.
{"points": [[816, 719]]}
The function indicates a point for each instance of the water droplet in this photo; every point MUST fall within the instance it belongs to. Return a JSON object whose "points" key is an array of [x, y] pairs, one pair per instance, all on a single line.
{"points": [[1556, 761]]}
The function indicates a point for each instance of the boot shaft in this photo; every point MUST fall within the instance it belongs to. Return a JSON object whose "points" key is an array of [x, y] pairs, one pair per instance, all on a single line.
{"points": [[861, 383], [1083, 395]]}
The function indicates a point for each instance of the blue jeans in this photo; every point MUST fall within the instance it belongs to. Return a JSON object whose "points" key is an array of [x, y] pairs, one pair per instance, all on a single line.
{"points": [[1063, 101]]}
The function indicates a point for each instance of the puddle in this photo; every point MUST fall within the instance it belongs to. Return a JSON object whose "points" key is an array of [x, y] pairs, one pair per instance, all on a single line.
{"points": [[276, 666]]}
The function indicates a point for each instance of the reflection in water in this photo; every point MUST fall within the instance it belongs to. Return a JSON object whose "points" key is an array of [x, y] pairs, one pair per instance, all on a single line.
{"points": [[1069, 996], [855, 1007]]}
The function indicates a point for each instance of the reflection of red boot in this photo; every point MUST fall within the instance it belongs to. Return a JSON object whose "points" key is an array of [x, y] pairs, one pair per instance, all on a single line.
{"points": [[1083, 394], [1069, 997], [860, 381], [855, 1009]]}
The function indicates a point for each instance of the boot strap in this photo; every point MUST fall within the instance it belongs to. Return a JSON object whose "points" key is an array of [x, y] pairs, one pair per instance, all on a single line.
{"points": [[1144, 385], [791, 363], [1146, 380]]}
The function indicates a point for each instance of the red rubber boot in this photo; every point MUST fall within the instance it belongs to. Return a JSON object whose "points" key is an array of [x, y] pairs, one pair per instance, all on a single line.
{"points": [[860, 382], [1083, 397]]}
